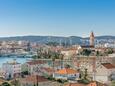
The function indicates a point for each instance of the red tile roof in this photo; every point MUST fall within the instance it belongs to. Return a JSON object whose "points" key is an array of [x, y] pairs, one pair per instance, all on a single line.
{"points": [[50, 70], [90, 84], [108, 65], [75, 84], [67, 71], [34, 62], [33, 79]]}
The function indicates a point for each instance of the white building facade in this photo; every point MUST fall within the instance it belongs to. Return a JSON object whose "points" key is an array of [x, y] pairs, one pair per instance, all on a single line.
{"points": [[11, 70]]}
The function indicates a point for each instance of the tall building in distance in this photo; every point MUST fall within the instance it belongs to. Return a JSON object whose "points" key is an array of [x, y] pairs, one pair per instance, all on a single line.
{"points": [[92, 39]]}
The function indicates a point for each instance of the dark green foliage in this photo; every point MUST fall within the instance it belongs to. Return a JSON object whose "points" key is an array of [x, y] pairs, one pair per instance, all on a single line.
{"points": [[80, 76], [97, 53], [110, 51], [84, 81], [61, 81], [47, 54], [52, 43], [5, 84], [50, 78], [113, 83], [85, 75], [86, 52], [67, 66], [25, 73]]}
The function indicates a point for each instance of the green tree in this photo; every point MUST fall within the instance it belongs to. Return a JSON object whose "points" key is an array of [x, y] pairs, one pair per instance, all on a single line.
{"points": [[67, 66], [52, 44], [110, 51], [113, 83], [46, 54], [97, 53], [86, 52], [85, 74], [5, 84]]}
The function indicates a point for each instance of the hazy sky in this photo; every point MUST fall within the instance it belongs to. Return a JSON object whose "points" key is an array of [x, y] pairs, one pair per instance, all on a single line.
{"points": [[57, 17]]}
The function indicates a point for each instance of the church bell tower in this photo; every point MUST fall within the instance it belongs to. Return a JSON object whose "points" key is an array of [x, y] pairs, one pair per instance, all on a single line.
{"points": [[92, 39]]}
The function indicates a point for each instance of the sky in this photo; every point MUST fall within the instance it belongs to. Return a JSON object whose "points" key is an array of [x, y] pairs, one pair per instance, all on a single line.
{"points": [[57, 17]]}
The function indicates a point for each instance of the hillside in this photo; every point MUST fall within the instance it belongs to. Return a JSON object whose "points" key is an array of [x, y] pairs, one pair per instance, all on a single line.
{"points": [[46, 39]]}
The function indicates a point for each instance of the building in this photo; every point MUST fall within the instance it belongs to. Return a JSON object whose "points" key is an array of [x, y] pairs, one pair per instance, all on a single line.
{"points": [[90, 84], [47, 71], [33, 80], [11, 69], [92, 39], [109, 45], [69, 52], [90, 46], [66, 74], [34, 66], [104, 72]]}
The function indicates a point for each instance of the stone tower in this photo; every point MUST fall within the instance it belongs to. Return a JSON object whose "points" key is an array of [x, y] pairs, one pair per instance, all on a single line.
{"points": [[92, 39]]}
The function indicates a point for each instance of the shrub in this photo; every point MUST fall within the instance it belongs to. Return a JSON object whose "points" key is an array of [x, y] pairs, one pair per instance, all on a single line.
{"points": [[5, 84]]}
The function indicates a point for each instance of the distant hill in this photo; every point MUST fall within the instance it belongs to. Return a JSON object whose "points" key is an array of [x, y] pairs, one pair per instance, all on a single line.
{"points": [[106, 37], [103, 37], [46, 39]]}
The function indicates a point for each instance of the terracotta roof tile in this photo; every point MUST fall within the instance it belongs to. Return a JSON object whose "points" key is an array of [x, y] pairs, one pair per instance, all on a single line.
{"points": [[108, 65], [35, 62], [90, 84], [50, 70], [67, 71], [75, 84], [33, 79]]}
